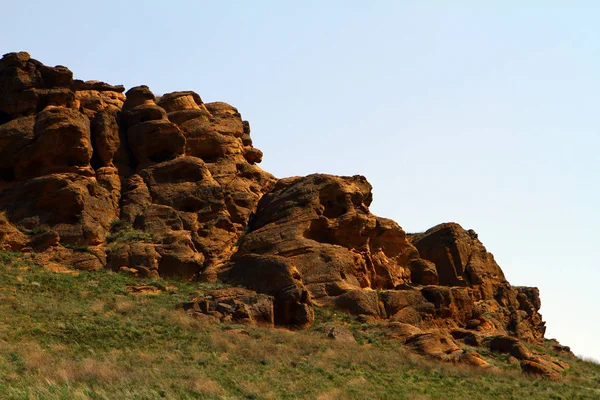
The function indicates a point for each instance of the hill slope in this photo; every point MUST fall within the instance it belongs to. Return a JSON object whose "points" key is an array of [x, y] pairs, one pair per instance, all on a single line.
{"points": [[99, 335]]}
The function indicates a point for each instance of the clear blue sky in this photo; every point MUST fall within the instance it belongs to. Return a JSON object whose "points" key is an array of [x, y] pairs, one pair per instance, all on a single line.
{"points": [[484, 115]]}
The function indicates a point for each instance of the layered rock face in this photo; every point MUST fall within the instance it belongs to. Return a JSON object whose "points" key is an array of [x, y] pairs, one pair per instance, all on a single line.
{"points": [[92, 177]]}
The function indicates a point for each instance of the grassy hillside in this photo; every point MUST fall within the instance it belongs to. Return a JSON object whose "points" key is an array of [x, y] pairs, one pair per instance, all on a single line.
{"points": [[101, 335]]}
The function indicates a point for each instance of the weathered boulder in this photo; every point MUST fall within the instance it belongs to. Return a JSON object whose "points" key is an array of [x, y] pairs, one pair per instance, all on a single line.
{"points": [[76, 207], [155, 141], [454, 303], [400, 332], [473, 284], [137, 96], [423, 272], [544, 366], [341, 334], [395, 301], [140, 256], [510, 345], [42, 241], [92, 102], [142, 113], [322, 224], [11, 238], [437, 345], [19, 76], [27, 86], [236, 305], [179, 101], [62, 143], [458, 255], [151, 137], [278, 277], [468, 337]]}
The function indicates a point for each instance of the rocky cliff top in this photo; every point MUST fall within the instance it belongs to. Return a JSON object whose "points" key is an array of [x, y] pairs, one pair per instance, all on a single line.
{"points": [[95, 177]]}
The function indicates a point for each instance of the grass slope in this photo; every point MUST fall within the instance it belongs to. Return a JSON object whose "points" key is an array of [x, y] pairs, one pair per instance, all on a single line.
{"points": [[86, 336]]}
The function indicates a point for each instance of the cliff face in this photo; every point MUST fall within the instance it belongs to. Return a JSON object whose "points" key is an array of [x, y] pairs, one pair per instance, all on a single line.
{"points": [[94, 178]]}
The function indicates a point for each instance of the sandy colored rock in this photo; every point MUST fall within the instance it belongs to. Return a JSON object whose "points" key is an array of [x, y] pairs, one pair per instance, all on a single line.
{"points": [[178, 101], [423, 272], [323, 225], [11, 238], [141, 257], [236, 305], [341, 334], [458, 255], [138, 95], [436, 345], [62, 143], [542, 368], [510, 345], [155, 141], [400, 332], [278, 277], [76, 207], [468, 337], [396, 300], [92, 102]]}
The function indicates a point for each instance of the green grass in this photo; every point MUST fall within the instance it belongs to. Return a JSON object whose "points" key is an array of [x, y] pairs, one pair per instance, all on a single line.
{"points": [[123, 234], [85, 336], [129, 235]]}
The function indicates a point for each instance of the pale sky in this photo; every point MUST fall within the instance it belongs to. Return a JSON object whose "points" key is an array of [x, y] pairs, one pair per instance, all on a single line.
{"points": [[486, 115]]}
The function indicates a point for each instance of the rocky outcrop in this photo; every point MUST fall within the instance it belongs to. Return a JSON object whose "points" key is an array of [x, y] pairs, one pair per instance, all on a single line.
{"points": [[236, 305], [322, 224], [95, 177], [165, 189], [534, 363]]}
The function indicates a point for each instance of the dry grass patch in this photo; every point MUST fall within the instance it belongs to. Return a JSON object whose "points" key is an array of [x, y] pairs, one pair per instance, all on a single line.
{"points": [[331, 394], [124, 306], [207, 387], [91, 369], [185, 321], [98, 307]]}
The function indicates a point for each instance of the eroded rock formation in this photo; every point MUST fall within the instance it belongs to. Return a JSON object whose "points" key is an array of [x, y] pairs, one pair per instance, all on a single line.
{"points": [[118, 180], [92, 177]]}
